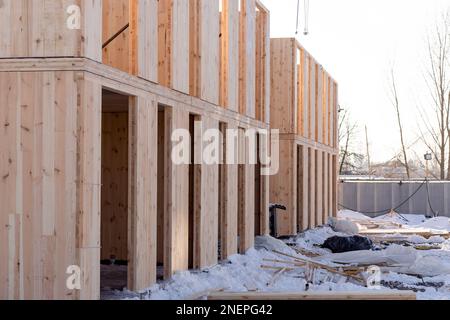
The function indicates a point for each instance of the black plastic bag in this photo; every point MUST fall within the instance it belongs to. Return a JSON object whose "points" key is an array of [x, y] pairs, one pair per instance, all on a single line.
{"points": [[344, 244]]}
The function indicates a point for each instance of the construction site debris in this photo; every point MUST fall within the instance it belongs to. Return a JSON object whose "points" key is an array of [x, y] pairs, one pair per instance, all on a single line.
{"points": [[344, 244]]}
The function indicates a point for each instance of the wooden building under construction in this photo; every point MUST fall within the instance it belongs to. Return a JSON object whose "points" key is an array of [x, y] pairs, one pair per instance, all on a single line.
{"points": [[304, 107], [92, 92]]}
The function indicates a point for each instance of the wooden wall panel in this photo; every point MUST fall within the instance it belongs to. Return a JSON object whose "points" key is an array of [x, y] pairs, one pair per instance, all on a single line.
{"points": [[282, 86], [89, 187], [180, 45], [176, 199], [229, 191], [145, 47], [247, 67], [305, 93], [283, 189], [143, 195], [312, 99], [209, 50], [173, 44], [40, 127], [116, 15], [262, 59], [38, 28], [208, 221], [229, 46], [319, 104]]}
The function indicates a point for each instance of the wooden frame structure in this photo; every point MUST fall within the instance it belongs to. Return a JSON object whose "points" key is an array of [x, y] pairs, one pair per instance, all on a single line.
{"points": [[304, 107], [171, 60]]}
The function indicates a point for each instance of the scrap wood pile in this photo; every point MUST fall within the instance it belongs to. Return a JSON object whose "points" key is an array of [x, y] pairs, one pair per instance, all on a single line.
{"points": [[391, 225]]}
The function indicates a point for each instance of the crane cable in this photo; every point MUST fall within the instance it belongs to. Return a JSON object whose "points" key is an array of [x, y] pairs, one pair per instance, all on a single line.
{"points": [[306, 31]]}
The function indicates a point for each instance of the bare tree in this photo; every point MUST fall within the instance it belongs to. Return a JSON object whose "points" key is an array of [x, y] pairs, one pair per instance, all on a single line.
{"points": [[349, 161], [437, 126], [369, 165], [395, 103]]}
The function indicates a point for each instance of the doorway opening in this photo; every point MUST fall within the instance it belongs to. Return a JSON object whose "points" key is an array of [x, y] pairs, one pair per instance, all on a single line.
{"points": [[114, 190]]}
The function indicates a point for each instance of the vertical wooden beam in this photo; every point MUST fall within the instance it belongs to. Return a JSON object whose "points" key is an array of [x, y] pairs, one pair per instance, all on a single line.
{"points": [[176, 199], [142, 215], [89, 187], [229, 199]]}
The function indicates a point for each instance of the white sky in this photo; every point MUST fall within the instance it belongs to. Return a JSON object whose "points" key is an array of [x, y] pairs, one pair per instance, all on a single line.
{"points": [[357, 41]]}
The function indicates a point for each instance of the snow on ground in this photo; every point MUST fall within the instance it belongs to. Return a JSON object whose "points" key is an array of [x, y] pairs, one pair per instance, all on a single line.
{"points": [[241, 273]]}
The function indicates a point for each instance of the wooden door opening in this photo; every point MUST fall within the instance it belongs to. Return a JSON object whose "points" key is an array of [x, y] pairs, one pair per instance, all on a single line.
{"points": [[115, 189], [222, 241], [258, 188], [163, 143], [195, 177], [241, 191]]}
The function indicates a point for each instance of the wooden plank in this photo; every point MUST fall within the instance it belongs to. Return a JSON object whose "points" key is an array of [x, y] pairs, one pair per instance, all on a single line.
{"points": [[143, 183], [366, 295], [229, 67], [305, 67]]}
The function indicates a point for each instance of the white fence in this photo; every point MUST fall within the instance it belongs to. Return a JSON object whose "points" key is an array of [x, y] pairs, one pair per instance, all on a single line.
{"points": [[377, 197]]}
